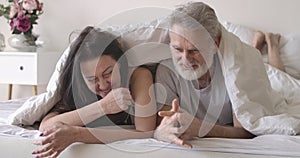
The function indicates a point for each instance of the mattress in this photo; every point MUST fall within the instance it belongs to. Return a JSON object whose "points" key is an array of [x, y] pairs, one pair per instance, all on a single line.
{"points": [[18, 142]]}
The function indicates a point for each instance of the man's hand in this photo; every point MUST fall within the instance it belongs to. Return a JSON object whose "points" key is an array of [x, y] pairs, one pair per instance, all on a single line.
{"points": [[189, 124], [167, 130]]}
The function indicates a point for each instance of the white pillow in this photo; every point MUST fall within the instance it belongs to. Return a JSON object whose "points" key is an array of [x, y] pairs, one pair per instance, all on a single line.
{"points": [[290, 54], [133, 38], [289, 46], [245, 34], [143, 42]]}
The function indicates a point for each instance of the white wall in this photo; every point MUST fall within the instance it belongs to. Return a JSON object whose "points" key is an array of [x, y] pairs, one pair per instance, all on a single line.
{"points": [[61, 17]]}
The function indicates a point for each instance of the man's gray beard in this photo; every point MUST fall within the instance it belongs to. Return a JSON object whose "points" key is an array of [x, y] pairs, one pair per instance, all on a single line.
{"points": [[194, 74]]}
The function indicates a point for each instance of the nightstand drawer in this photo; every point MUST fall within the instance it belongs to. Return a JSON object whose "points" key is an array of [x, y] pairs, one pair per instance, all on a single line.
{"points": [[27, 68], [18, 69]]}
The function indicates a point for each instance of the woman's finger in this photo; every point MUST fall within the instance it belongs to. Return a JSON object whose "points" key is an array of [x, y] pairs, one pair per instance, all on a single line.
{"points": [[42, 150], [124, 107], [48, 153], [47, 140], [49, 131], [56, 154]]}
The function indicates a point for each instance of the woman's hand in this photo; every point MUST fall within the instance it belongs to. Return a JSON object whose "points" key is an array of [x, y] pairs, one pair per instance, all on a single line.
{"points": [[57, 138], [117, 100]]}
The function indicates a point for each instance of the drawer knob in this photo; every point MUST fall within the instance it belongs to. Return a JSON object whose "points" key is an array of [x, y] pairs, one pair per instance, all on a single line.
{"points": [[21, 68]]}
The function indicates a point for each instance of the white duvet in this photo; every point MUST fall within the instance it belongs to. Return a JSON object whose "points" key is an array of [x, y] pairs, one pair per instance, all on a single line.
{"points": [[264, 103]]}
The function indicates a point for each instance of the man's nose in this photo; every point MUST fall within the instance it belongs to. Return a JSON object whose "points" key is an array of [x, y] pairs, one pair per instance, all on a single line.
{"points": [[187, 56]]}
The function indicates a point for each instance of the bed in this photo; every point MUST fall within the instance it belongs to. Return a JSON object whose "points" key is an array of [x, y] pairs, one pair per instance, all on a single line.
{"points": [[17, 141]]}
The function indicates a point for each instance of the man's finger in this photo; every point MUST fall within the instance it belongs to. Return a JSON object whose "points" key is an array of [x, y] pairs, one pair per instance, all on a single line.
{"points": [[181, 142], [182, 129], [184, 137], [187, 145], [166, 113], [177, 141], [175, 105]]}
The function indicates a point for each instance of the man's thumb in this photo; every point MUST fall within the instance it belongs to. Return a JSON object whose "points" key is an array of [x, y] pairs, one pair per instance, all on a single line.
{"points": [[175, 105]]}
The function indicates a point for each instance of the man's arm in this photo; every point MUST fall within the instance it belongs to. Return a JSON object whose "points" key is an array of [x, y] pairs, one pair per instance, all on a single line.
{"points": [[236, 131], [190, 127]]}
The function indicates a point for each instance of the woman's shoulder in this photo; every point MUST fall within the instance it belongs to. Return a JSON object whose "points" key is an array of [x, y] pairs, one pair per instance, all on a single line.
{"points": [[141, 72], [147, 69]]}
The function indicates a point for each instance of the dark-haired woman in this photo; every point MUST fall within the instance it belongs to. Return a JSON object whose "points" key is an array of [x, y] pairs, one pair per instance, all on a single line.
{"points": [[92, 86]]}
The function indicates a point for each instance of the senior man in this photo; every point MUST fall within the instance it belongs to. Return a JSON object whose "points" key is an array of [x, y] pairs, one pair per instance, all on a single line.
{"points": [[209, 73]]}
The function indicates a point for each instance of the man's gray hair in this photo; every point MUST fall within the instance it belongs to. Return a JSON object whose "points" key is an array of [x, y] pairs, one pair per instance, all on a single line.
{"points": [[193, 14]]}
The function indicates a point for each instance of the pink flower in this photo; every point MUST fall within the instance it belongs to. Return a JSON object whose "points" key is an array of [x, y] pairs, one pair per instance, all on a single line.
{"points": [[13, 23], [22, 24], [14, 10], [30, 5], [22, 14], [40, 5]]}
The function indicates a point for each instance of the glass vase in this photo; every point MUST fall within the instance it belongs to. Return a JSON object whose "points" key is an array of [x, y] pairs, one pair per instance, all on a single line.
{"points": [[2, 42], [23, 43]]}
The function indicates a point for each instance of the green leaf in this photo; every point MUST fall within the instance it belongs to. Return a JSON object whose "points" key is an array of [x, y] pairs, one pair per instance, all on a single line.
{"points": [[2, 10], [28, 33], [15, 31]]}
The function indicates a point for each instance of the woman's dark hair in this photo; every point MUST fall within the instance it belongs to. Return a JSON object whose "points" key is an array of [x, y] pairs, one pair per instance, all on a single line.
{"points": [[90, 44]]}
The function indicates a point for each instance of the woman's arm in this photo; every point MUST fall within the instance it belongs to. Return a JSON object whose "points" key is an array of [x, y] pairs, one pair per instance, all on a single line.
{"points": [[103, 135], [77, 117], [115, 101], [142, 91], [61, 135]]}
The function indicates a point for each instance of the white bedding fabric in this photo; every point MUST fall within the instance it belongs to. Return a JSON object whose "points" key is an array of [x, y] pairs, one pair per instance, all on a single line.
{"points": [[257, 119], [289, 47], [262, 146], [8, 107], [258, 107], [7, 130], [276, 145]]}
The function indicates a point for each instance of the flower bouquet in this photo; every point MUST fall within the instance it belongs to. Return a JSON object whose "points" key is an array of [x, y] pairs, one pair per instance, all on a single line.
{"points": [[21, 16]]}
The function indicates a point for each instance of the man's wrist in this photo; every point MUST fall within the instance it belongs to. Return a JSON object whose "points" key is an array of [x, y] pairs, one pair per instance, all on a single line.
{"points": [[207, 129]]}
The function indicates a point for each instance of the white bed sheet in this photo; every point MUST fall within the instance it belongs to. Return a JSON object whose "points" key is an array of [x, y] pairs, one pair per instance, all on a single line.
{"points": [[7, 108], [22, 148], [18, 142]]}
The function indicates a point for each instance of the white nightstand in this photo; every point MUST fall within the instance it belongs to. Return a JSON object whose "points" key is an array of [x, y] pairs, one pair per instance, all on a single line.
{"points": [[27, 68]]}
